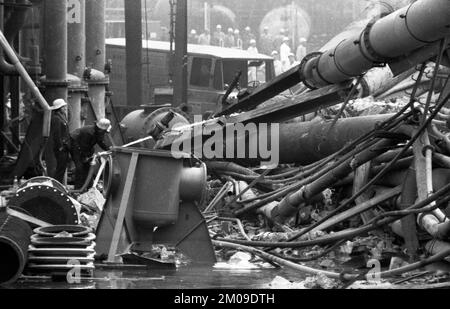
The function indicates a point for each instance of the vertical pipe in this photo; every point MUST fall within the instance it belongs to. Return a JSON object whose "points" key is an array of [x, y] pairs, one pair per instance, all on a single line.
{"points": [[95, 57], [133, 34], [95, 33], [76, 59], [2, 111], [181, 40], [55, 45]]}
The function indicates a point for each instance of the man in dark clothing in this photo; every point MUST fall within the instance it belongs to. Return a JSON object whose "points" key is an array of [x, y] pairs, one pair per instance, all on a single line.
{"points": [[60, 138], [83, 141]]}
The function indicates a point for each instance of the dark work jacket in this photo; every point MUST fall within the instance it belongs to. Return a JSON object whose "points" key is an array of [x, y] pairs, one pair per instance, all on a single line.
{"points": [[60, 132], [84, 140]]}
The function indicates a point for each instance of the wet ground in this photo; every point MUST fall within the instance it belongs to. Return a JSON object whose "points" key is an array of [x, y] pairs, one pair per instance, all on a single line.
{"points": [[181, 278]]}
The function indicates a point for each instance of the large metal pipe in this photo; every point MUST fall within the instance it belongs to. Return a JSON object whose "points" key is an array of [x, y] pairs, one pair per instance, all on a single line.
{"points": [[55, 40], [14, 241], [181, 59], [290, 204], [133, 29], [96, 58], [403, 31], [76, 61]]}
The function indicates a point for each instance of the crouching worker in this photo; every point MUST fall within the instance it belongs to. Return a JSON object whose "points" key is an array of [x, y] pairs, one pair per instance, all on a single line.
{"points": [[83, 143]]}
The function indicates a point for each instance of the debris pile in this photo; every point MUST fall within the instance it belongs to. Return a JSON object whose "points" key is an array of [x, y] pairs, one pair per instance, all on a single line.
{"points": [[376, 210]]}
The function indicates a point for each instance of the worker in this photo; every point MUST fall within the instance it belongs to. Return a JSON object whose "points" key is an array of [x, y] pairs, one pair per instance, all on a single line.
{"points": [[60, 138], [266, 42], [247, 37], [218, 37], [278, 40], [205, 38], [301, 49], [253, 49], [193, 37], [229, 39], [285, 50], [292, 61], [277, 63], [82, 149], [237, 39]]}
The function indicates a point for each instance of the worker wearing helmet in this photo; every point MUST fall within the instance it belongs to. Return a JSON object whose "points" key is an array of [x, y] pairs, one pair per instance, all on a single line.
{"points": [[59, 139], [83, 142]]}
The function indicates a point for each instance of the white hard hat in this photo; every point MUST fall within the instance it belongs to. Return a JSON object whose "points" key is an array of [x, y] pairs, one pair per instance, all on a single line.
{"points": [[303, 40], [236, 31], [247, 28], [252, 41], [230, 30], [219, 27], [274, 53], [193, 31], [285, 39], [104, 124], [57, 104]]}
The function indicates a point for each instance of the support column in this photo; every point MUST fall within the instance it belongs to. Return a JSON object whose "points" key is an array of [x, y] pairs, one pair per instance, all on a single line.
{"points": [[76, 58], [55, 50], [133, 34], [95, 59], [181, 59]]}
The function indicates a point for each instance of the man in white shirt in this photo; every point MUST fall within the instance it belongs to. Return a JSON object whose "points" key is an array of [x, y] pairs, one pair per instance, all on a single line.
{"points": [[285, 50], [277, 63]]}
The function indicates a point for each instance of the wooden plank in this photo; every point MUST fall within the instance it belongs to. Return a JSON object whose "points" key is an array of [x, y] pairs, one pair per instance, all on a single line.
{"points": [[129, 182]]}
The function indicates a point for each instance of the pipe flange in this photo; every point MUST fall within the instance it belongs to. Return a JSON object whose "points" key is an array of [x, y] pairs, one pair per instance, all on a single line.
{"points": [[55, 83], [47, 204], [99, 82], [405, 17], [373, 56], [303, 63]]}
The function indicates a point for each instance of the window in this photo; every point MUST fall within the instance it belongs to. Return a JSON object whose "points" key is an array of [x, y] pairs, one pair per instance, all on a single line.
{"points": [[201, 72]]}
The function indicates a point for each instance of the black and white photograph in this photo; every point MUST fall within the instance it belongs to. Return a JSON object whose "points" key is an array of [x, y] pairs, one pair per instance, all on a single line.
{"points": [[224, 151]]}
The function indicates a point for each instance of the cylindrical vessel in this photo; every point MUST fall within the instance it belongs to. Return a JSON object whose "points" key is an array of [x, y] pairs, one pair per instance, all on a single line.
{"points": [[14, 241]]}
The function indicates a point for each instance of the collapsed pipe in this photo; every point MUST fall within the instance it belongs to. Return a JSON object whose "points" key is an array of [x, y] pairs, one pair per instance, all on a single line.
{"points": [[397, 34], [14, 241], [409, 28]]}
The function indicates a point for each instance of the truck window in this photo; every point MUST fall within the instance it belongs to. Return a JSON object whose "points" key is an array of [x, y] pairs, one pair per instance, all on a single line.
{"points": [[201, 72], [232, 67]]}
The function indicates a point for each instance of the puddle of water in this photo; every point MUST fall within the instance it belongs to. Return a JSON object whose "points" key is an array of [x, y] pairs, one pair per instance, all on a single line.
{"points": [[182, 278]]}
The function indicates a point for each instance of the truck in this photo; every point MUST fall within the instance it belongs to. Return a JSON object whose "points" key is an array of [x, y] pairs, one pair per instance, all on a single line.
{"points": [[211, 70]]}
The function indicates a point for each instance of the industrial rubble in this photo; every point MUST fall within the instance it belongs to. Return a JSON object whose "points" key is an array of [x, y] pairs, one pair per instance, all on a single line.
{"points": [[336, 174]]}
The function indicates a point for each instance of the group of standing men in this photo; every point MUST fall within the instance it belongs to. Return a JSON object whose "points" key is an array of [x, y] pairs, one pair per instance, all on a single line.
{"points": [[233, 38], [280, 46], [79, 144]]}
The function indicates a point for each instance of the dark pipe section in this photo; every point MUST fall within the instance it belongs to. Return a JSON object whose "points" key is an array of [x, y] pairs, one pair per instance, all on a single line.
{"points": [[14, 241]]}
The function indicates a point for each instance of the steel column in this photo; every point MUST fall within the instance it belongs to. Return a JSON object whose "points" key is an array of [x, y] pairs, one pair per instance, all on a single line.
{"points": [[133, 33], [181, 61], [76, 60]]}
